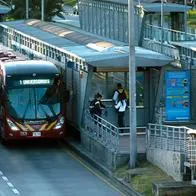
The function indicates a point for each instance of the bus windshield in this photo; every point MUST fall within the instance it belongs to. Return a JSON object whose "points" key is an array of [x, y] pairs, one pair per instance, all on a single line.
{"points": [[30, 102]]}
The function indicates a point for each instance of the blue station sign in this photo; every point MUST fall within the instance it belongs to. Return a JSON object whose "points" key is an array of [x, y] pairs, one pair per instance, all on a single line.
{"points": [[177, 99]]}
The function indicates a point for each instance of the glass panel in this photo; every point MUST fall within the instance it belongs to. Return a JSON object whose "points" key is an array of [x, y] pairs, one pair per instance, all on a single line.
{"points": [[105, 84], [26, 104], [21, 103], [51, 106], [140, 88]]}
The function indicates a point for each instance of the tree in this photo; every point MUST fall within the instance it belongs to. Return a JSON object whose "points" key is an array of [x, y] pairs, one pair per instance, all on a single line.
{"points": [[51, 8], [70, 2], [192, 18]]}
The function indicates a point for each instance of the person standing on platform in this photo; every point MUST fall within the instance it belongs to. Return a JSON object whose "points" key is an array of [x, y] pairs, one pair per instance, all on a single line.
{"points": [[96, 105], [119, 91], [120, 107]]}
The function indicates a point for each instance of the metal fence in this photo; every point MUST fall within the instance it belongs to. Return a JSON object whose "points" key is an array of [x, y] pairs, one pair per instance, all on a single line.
{"points": [[102, 131], [191, 154], [157, 33], [164, 48], [175, 138], [171, 138], [191, 149]]}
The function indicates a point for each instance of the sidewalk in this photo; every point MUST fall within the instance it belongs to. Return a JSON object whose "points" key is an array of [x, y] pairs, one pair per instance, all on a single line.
{"points": [[134, 182]]}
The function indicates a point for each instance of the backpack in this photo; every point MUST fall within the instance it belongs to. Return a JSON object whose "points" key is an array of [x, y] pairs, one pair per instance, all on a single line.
{"points": [[122, 95]]}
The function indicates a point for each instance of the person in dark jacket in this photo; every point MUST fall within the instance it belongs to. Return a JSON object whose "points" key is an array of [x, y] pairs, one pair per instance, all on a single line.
{"points": [[96, 106]]}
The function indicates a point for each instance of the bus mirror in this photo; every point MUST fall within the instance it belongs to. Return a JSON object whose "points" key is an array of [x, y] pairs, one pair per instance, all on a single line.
{"points": [[67, 95]]}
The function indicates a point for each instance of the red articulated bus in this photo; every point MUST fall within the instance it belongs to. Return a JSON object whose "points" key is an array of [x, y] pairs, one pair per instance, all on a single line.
{"points": [[31, 99]]}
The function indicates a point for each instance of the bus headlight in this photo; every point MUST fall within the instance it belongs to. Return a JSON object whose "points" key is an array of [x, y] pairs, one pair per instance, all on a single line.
{"points": [[12, 126], [59, 123]]}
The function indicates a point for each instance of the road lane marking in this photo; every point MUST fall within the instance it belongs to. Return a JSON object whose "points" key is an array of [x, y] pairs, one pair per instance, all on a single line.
{"points": [[77, 158], [10, 185], [16, 191], [5, 178]]}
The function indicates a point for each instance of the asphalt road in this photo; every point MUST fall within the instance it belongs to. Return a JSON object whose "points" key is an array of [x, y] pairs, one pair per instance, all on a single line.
{"points": [[42, 168]]}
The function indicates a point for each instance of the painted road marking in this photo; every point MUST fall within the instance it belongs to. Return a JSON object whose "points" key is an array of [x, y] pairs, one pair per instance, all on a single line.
{"points": [[16, 191], [10, 185], [5, 178], [77, 158]]}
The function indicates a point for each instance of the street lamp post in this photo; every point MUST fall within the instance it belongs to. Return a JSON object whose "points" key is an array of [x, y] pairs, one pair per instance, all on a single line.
{"points": [[185, 18], [162, 21], [27, 9], [42, 10], [132, 84]]}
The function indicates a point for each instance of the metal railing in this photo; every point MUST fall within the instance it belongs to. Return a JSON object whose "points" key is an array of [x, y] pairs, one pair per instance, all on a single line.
{"points": [[164, 48], [102, 131], [191, 149], [171, 138], [157, 33], [191, 154], [107, 134], [191, 158]]}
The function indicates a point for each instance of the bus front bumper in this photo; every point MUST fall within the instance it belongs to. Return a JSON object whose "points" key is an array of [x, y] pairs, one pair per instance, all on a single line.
{"points": [[54, 134]]}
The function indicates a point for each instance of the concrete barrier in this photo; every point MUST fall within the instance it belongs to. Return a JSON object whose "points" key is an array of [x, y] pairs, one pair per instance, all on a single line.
{"points": [[173, 189], [169, 161], [105, 156]]}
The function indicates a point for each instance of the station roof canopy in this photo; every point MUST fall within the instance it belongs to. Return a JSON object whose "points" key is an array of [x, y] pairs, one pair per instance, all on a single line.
{"points": [[120, 61], [100, 53]]}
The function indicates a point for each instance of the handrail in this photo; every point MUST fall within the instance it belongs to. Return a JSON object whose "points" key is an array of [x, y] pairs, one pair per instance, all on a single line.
{"points": [[111, 100], [164, 48], [154, 32], [105, 132], [102, 131], [167, 137]]}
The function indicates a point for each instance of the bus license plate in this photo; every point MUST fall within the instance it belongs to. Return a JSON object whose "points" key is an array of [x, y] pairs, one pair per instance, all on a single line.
{"points": [[36, 134]]}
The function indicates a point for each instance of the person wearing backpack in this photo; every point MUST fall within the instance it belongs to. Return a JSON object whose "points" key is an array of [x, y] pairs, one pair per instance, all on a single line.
{"points": [[119, 91]]}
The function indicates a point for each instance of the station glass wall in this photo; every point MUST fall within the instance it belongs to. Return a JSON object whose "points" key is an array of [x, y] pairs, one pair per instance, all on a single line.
{"points": [[105, 84]]}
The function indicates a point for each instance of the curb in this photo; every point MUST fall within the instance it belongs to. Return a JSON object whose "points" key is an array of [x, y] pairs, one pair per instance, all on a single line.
{"points": [[85, 155]]}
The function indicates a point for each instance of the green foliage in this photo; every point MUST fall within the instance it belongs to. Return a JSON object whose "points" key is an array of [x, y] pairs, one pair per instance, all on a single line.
{"points": [[142, 181], [70, 2], [192, 18], [51, 7]]}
